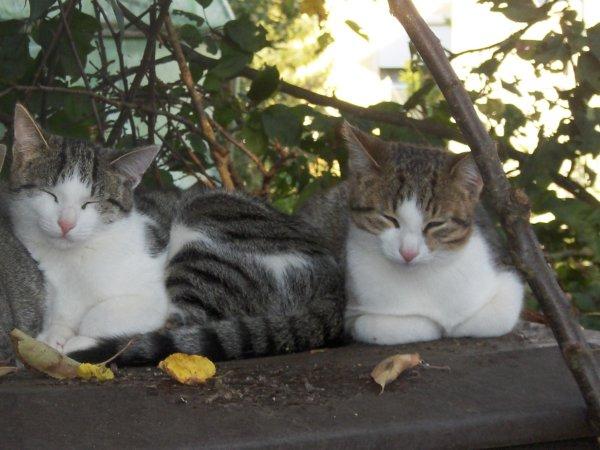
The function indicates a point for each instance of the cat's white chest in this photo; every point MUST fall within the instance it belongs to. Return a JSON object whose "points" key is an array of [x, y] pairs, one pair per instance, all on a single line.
{"points": [[113, 264], [446, 292]]}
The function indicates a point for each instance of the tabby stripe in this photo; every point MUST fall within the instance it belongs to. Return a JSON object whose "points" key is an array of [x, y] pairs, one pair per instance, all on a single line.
{"points": [[247, 347], [221, 280], [362, 209], [95, 173], [62, 161], [212, 342], [117, 204], [194, 299], [462, 223], [194, 254], [271, 344]]}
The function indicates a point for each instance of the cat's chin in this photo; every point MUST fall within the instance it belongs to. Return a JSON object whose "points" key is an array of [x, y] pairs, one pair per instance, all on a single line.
{"points": [[63, 243]]}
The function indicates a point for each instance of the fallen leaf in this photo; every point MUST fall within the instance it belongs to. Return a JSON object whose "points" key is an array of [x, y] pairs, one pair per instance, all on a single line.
{"points": [[390, 368], [41, 357], [7, 370], [99, 372], [188, 369]]}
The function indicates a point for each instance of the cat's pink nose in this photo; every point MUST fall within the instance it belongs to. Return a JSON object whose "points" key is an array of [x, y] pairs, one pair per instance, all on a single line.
{"points": [[65, 226], [408, 255]]}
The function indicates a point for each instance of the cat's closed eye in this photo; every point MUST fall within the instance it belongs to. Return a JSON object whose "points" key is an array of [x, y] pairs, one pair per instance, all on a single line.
{"points": [[392, 219], [91, 202], [50, 194], [434, 224]]}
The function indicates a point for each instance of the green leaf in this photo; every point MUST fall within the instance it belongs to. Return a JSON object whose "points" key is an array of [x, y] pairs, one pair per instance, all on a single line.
{"points": [[281, 123], [246, 34], [521, 10], [199, 21], [588, 70], [190, 35], [14, 51], [264, 85], [357, 29], [231, 63], [594, 39], [37, 8]]}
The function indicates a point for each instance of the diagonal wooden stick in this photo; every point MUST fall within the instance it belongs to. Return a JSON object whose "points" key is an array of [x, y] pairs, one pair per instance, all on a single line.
{"points": [[512, 207]]}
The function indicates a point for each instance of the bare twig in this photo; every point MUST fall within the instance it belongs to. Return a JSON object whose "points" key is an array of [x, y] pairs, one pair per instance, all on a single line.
{"points": [[145, 63], [260, 166], [512, 206], [81, 68], [219, 153]]}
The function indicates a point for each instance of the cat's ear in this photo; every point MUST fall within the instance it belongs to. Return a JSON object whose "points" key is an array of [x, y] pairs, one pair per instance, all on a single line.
{"points": [[2, 155], [134, 163], [365, 151], [466, 175], [29, 137]]}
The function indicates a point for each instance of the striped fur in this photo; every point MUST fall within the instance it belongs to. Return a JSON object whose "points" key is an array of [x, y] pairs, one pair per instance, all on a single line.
{"points": [[228, 300]]}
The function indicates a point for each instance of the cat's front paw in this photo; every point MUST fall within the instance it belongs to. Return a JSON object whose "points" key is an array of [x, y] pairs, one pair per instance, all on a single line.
{"points": [[56, 336], [77, 343]]}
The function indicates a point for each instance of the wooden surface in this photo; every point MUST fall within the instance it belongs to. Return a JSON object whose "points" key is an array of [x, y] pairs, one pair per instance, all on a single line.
{"points": [[514, 390]]}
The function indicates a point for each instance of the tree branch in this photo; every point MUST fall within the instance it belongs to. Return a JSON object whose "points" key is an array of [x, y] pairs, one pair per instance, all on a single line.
{"points": [[219, 153], [513, 209]]}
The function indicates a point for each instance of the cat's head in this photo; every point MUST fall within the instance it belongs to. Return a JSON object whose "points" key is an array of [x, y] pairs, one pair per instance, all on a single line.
{"points": [[71, 189], [419, 202]]}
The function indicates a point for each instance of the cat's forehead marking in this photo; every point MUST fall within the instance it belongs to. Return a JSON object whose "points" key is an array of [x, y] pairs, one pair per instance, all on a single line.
{"points": [[410, 214], [73, 187]]}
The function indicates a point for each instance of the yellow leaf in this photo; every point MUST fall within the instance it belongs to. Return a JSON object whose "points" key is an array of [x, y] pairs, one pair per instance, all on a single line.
{"points": [[390, 368], [39, 356], [99, 372], [188, 369]]}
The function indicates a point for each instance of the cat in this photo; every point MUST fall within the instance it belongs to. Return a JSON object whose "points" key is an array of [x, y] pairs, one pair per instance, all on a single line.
{"points": [[206, 272], [71, 204], [21, 283], [422, 259]]}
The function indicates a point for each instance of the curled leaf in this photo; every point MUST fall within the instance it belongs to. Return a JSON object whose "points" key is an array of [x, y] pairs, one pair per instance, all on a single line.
{"points": [[390, 368], [7, 370], [99, 372], [188, 369], [41, 357]]}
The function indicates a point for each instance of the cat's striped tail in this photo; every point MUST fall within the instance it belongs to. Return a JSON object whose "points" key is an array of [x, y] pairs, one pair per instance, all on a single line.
{"points": [[220, 340]]}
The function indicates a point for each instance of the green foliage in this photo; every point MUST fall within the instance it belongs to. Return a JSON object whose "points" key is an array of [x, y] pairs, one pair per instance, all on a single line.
{"points": [[295, 146]]}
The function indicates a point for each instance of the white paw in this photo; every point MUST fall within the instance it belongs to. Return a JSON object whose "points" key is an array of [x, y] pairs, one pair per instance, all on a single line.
{"points": [[77, 343], [56, 336]]}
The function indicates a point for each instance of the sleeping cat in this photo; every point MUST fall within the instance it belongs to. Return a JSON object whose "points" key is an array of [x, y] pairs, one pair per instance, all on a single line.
{"points": [[21, 283], [422, 259], [205, 272]]}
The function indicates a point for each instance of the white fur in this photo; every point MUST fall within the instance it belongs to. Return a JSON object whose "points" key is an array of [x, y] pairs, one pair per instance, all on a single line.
{"points": [[444, 293], [279, 264], [100, 279]]}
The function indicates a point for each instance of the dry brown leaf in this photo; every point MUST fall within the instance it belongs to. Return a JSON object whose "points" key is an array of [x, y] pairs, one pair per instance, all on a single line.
{"points": [[390, 368], [188, 369], [41, 357], [7, 370]]}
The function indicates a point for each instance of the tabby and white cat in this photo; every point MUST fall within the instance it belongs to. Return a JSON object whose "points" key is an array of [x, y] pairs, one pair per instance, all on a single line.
{"points": [[422, 259], [205, 272], [21, 283]]}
